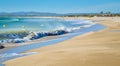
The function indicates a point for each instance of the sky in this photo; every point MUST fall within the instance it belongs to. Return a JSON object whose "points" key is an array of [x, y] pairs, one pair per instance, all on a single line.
{"points": [[60, 6]]}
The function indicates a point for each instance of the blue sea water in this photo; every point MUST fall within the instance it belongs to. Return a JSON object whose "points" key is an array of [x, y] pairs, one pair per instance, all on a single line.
{"points": [[12, 28], [74, 27], [34, 24]]}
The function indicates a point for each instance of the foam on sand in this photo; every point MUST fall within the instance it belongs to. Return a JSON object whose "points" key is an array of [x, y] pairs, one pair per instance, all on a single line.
{"points": [[6, 56]]}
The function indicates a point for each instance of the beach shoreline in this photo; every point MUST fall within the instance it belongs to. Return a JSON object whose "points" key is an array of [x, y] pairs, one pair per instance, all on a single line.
{"points": [[11, 45], [74, 51]]}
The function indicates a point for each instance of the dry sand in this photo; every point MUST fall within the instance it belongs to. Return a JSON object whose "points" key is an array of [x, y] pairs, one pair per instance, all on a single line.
{"points": [[100, 48]]}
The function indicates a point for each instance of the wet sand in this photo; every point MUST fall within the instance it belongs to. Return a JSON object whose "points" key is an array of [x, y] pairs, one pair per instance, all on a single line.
{"points": [[101, 48], [14, 45]]}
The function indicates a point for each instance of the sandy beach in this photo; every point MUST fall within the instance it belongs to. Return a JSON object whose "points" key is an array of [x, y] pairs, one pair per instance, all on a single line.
{"points": [[101, 48]]}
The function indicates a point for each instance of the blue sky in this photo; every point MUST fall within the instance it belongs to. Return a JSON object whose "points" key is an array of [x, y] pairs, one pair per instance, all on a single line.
{"points": [[60, 6]]}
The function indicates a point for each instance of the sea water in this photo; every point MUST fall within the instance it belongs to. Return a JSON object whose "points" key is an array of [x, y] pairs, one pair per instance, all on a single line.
{"points": [[12, 28], [36, 24], [74, 27]]}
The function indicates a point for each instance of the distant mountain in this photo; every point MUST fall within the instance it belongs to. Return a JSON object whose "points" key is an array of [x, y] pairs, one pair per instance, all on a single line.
{"points": [[39, 14], [2, 14], [29, 14]]}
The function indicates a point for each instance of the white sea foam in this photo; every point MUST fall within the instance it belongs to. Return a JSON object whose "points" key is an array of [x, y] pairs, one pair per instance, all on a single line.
{"points": [[73, 26], [83, 22], [73, 20], [9, 55], [39, 19]]}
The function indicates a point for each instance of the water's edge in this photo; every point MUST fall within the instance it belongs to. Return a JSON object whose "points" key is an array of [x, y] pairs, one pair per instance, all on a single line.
{"points": [[20, 49]]}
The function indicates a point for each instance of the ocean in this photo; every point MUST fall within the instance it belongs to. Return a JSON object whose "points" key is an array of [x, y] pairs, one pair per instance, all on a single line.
{"points": [[36, 24], [12, 28], [40, 26]]}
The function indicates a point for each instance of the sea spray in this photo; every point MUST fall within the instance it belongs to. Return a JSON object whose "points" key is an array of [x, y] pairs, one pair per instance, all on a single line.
{"points": [[35, 28], [31, 36], [20, 38]]}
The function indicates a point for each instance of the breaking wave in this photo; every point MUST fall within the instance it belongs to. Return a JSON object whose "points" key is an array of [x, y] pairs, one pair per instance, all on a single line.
{"points": [[56, 27]]}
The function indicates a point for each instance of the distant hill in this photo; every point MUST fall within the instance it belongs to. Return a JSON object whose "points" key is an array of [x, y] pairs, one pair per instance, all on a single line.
{"points": [[38, 14], [4, 14], [29, 14]]}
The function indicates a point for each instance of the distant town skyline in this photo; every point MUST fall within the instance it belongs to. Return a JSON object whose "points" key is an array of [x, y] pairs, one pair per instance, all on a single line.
{"points": [[60, 6]]}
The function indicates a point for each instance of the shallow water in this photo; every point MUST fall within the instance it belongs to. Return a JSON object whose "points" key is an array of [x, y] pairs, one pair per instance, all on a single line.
{"points": [[20, 49]]}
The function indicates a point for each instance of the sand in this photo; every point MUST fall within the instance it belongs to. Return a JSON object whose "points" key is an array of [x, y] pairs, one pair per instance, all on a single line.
{"points": [[100, 48]]}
